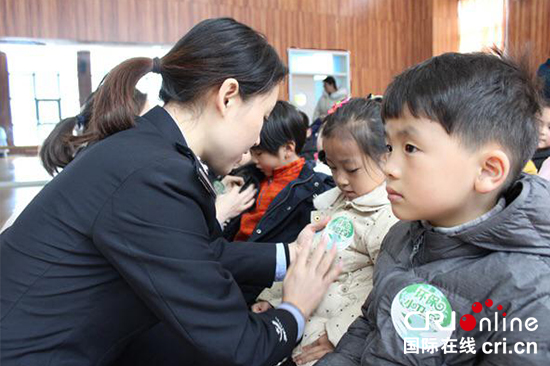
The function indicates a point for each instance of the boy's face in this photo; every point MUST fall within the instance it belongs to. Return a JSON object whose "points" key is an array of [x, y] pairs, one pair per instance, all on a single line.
{"points": [[430, 176], [268, 162], [544, 136]]}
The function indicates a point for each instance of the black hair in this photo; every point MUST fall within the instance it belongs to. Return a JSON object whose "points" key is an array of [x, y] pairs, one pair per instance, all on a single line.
{"points": [[55, 153], [330, 80], [285, 124], [360, 120], [477, 97], [211, 52], [59, 148], [544, 74]]}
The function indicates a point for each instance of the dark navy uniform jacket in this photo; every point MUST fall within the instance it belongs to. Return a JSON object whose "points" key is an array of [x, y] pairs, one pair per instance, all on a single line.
{"points": [[124, 237]]}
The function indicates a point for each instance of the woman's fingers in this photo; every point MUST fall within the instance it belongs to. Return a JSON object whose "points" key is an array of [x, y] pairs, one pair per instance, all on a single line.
{"points": [[318, 254], [303, 253], [326, 262]]}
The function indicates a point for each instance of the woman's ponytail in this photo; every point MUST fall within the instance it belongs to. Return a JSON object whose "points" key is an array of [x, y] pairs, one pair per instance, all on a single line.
{"points": [[56, 151], [211, 52], [72, 134], [113, 107]]}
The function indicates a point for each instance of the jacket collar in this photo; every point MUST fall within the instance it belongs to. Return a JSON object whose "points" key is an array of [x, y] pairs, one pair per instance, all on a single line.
{"points": [[370, 202], [165, 124], [521, 227], [289, 170]]}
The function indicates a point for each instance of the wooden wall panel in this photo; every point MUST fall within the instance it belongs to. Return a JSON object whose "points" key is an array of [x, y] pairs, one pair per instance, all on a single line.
{"points": [[383, 36], [445, 31], [5, 111], [529, 26]]}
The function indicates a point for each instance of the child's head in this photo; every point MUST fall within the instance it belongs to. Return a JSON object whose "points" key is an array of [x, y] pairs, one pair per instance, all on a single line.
{"points": [[282, 137], [544, 137], [460, 128], [353, 143]]}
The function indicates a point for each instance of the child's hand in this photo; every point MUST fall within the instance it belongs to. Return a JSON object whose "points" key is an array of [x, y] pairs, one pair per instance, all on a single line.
{"points": [[314, 351], [234, 202], [261, 307], [231, 180]]}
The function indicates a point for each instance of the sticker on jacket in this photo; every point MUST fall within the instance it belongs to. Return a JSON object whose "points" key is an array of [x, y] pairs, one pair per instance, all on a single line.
{"points": [[339, 232], [421, 314], [219, 187]]}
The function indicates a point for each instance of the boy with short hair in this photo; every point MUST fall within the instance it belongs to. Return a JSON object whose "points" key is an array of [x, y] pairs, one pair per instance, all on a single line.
{"points": [[474, 255]]}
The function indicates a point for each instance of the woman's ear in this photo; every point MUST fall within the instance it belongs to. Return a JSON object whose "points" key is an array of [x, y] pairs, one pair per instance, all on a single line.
{"points": [[227, 96], [494, 169]]}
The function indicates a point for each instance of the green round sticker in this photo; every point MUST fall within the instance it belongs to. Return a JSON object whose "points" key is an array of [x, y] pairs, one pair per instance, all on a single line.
{"points": [[422, 316], [219, 187], [339, 232]]}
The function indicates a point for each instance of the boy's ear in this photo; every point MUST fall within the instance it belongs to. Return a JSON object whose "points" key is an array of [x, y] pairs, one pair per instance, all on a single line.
{"points": [[227, 95], [286, 150], [495, 168], [290, 147]]}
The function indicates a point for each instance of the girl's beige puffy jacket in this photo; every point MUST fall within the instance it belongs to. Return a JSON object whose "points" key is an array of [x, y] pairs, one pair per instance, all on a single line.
{"points": [[371, 217]]}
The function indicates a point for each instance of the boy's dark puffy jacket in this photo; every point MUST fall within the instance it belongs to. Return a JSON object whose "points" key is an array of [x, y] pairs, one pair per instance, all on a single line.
{"points": [[291, 209], [505, 259]]}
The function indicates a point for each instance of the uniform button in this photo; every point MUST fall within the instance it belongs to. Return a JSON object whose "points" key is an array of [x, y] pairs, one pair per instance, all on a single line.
{"points": [[289, 208], [316, 184], [344, 289], [259, 231]]}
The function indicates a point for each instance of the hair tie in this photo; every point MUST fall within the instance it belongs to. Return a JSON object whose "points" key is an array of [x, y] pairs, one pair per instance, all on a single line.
{"points": [[156, 65], [81, 120], [338, 105]]}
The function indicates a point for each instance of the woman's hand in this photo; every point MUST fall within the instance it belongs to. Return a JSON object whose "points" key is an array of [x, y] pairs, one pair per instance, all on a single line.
{"points": [[306, 235], [233, 203], [314, 351], [307, 279]]}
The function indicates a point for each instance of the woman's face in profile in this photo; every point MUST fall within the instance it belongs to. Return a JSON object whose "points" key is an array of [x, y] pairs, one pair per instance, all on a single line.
{"points": [[239, 130]]}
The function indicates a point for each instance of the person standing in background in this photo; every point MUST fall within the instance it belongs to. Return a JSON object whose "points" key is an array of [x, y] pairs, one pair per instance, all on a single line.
{"points": [[331, 95]]}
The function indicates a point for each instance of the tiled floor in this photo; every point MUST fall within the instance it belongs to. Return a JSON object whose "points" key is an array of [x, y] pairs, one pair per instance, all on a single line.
{"points": [[21, 178]]}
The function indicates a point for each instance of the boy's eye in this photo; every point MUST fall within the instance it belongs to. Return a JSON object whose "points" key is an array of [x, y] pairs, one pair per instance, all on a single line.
{"points": [[389, 148], [410, 148], [353, 170]]}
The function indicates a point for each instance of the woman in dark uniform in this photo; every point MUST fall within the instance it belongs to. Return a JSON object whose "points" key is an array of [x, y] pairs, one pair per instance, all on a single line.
{"points": [[126, 235]]}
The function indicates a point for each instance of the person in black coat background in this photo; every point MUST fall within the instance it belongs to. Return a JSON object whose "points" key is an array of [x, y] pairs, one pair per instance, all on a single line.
{"points": [[126, 235]]}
